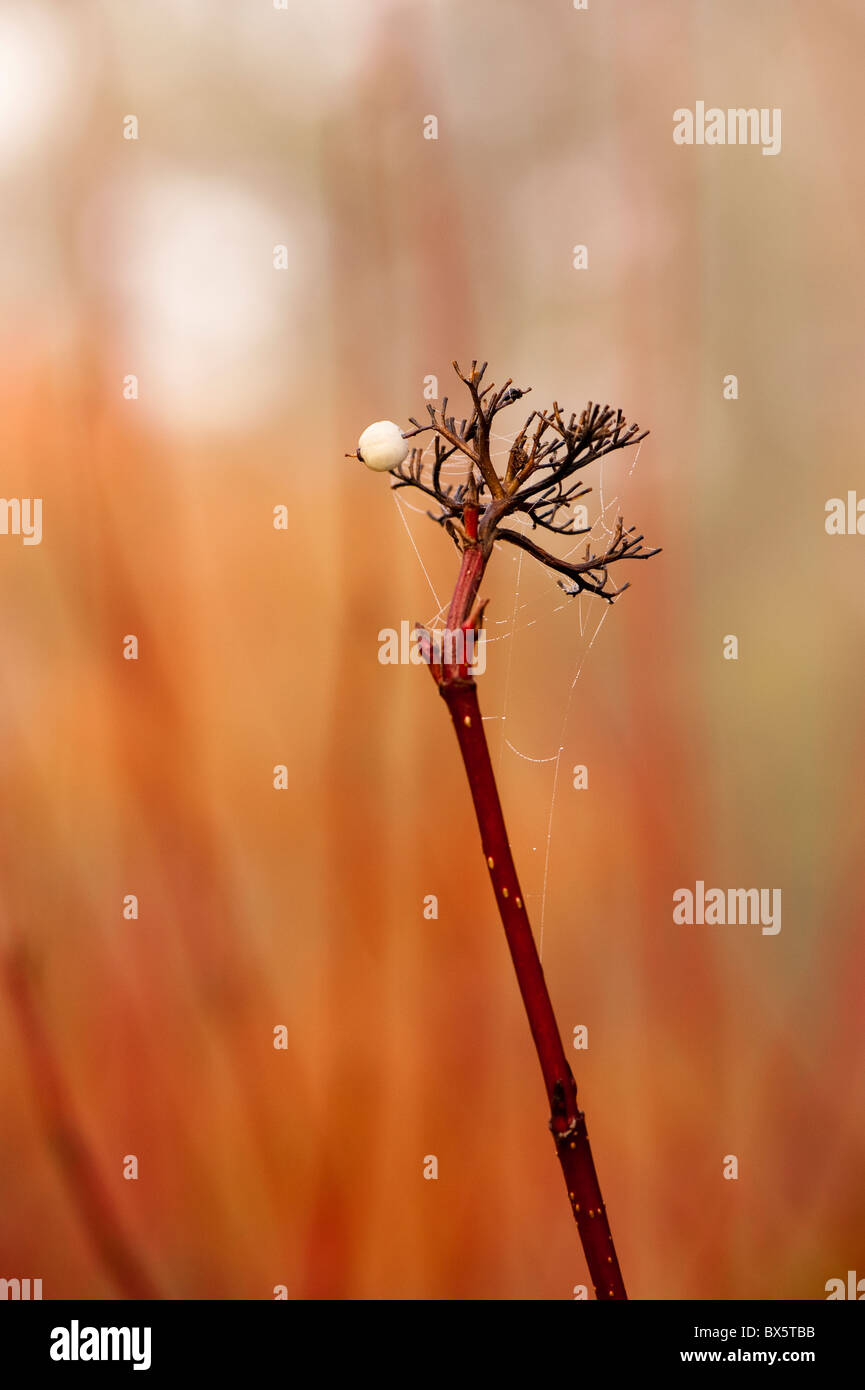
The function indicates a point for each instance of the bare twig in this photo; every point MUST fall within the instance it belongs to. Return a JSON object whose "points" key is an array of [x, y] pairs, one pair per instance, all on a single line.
{"points": [[567, 1122], [540, 481]]}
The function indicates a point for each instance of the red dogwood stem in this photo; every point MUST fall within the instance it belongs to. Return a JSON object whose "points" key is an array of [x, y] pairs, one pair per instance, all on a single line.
{"points": [[567, 1121], [468, 582]]}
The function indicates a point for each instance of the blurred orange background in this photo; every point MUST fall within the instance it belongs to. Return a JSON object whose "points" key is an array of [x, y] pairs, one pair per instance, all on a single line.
{"points": [[154, 257]]}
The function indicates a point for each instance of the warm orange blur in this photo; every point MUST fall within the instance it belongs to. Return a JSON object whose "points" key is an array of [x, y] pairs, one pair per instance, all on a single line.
{"points": [[154, 258]]}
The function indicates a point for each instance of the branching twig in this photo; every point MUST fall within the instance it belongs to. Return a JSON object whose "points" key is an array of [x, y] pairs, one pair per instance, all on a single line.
{"points": [[540, 481]]}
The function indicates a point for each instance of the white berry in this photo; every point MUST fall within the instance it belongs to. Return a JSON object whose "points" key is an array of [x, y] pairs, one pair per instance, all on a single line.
{"points": [[381, 446]]}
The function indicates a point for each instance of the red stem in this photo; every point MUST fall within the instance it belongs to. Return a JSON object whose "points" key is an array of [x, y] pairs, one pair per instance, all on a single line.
{"points": [[567, 1121], [468, 582]]}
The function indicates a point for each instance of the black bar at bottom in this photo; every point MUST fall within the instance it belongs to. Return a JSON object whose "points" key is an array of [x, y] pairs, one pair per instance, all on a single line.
{"points": [[156, 1342]]}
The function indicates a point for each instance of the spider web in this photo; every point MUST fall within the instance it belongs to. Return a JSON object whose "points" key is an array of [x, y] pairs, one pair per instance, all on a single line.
{"points": [[585, 612]]}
